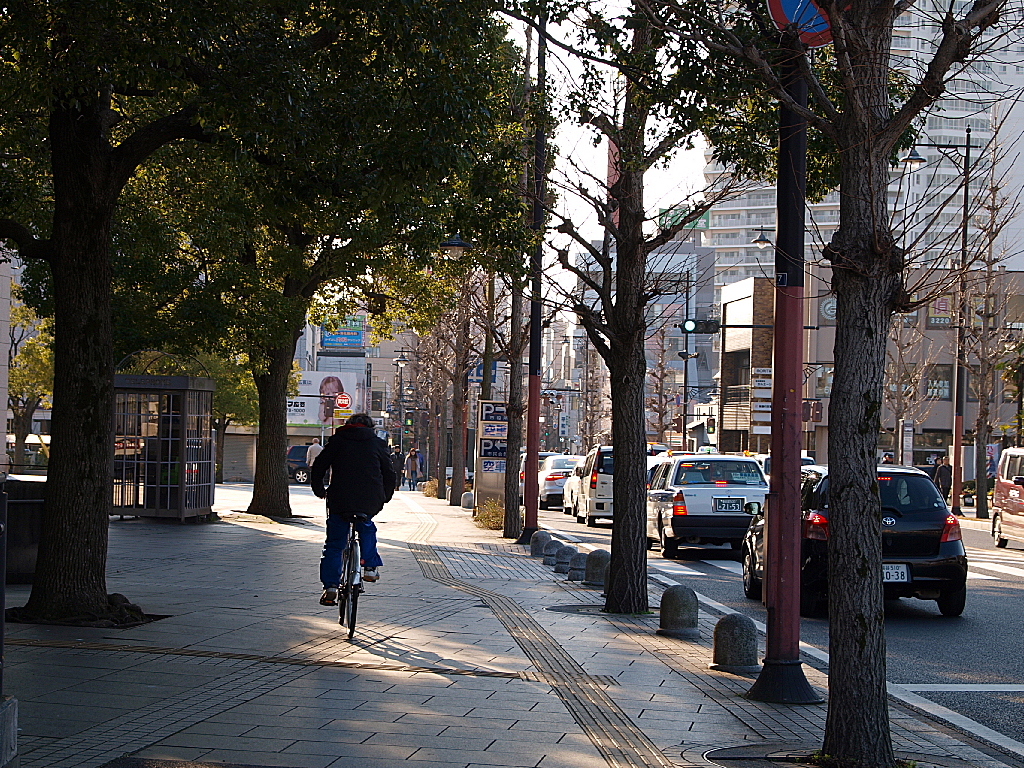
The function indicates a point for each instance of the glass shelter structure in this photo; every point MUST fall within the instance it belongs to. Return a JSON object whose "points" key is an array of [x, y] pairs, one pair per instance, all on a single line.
{"points": [[163, 446]]}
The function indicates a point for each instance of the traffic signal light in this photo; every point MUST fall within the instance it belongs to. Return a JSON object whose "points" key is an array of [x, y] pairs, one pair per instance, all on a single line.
{"points": [[710, 425], [700, 326]]}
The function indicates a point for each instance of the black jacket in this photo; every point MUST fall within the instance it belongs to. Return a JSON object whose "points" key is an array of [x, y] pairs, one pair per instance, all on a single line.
{"points": [[362, 478]]}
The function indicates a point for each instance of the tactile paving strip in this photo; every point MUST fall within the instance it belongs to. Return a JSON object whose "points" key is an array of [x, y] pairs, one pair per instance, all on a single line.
{"points": [[622, 744]]}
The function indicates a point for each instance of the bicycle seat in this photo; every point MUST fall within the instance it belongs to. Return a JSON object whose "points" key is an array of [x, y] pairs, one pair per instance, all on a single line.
{"points": [[354, 517]]}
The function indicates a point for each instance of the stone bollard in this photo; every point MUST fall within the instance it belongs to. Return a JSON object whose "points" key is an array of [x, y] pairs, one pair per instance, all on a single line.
{"points": [[597, 565], [679, 613], [550, 549], [562, 558], [578, 567], [735, 646], [537, 542], [467, 500]]}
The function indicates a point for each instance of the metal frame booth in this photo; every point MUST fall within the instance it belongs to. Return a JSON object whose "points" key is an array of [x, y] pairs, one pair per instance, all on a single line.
{"points": [[163, 446]]}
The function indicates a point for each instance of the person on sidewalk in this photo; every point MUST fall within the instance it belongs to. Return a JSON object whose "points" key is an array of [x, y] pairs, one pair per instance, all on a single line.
{"points": [[412, 468], [944, 477], [313, 451], [398, 463], [362, 481]]}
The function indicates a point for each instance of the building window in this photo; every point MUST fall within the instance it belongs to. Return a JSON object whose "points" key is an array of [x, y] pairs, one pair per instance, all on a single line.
{"points": [[938, 384]]}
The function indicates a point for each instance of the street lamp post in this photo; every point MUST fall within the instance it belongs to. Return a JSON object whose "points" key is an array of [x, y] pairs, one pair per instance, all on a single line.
{"points": [[400, 363], [913, 159]]}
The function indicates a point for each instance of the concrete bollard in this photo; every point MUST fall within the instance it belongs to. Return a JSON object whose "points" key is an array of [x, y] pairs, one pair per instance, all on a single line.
{"points": [[537, 542], [550, 549], [735, 645], [467, 500], [562, 558], [679, 613], [577, 567], [597, 566]]}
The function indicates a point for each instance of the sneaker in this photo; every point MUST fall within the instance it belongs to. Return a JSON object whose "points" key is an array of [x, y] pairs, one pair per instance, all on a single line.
{"points": [[330, 596], [370, 575]]}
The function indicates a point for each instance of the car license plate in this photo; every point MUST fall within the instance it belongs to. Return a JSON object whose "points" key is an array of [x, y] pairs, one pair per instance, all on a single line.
{"points": [[895, 572], [728, 505]]}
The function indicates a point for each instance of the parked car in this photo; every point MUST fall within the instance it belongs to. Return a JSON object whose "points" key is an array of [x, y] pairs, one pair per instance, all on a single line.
{"points": [[923, 555], [297, 469], [571, 489], [1008, 498], [554, 470], [593, 498], [702, 499], [541, 456]]}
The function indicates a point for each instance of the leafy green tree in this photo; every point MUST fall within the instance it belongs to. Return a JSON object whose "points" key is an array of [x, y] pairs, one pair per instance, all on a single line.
{"points": [[95, 93], [235, 402], [30, 369], [853, 102]]}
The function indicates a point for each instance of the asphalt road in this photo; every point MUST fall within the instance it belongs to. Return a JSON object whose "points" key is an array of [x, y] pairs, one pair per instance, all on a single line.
{"points": [[970, 656]]}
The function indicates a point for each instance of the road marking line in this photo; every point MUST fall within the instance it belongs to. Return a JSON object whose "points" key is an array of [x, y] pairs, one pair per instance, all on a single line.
{"points": [[999, 568], [965, 687], [727, 565], [982, 577]]}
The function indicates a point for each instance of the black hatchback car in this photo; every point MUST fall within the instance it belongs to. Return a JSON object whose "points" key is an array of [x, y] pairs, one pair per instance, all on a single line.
{"points": [[923, 555], [297, 469]]}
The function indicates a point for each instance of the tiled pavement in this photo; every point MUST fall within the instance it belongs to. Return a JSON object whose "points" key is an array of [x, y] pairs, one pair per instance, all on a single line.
{"points": [[456, 661]]}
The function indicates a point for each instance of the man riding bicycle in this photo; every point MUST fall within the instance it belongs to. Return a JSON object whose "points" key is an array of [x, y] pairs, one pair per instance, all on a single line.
{"points": [[362, 482]]}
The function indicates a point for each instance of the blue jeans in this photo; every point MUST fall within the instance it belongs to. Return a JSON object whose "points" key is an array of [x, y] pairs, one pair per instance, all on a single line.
{"points": [[412, 480], [337, 543]]}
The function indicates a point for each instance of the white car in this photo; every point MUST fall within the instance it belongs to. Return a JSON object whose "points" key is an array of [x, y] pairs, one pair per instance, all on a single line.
{"points": [[592, 501], [702, 499], [554, 471]]}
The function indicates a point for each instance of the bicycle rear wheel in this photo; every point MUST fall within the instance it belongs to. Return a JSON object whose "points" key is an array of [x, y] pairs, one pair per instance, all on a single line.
{"points": [[348, 592]]}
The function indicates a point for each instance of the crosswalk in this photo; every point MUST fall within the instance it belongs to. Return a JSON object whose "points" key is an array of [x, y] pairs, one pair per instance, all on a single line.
{"points": [[982, 563]]}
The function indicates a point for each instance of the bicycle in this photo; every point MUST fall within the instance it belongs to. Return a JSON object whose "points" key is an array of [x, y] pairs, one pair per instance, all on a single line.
{"points": [[351, 585]]}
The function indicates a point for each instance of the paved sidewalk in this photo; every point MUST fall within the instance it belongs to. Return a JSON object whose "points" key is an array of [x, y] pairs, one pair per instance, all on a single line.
{"points": [[468, 653]]}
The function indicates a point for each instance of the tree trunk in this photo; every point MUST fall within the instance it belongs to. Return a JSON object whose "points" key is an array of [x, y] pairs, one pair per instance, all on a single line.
{"points": [[441, 459], [220, 426], [514, 409], [866, 281], [22, 428], [627, 587], [458, 484], [270, 485], [627, 364], [70, 577]]}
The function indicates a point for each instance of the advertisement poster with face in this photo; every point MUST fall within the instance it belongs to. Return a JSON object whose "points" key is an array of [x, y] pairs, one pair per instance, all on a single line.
{"points": [[316, 402]]}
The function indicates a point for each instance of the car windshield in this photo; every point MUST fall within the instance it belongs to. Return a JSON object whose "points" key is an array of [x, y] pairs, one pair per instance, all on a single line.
{"points": [[564, 462], [907, 494], [718, 473]]}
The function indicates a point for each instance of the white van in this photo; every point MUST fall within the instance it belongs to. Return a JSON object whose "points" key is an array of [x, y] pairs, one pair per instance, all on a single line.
{"points": [[1008, 498], [593, 498]]}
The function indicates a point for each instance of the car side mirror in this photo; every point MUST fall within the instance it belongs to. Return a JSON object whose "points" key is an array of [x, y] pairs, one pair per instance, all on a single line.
{"points": [[1018, 480], [752, 508]]}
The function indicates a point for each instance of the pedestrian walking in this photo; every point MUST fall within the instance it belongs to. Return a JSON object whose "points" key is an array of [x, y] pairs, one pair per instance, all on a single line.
{"points": [[398, 463], [412, 468], [944, 477], [362, 481], [313, 451]]}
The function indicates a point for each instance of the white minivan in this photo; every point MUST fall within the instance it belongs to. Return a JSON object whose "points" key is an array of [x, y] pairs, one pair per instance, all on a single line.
{"points": [[702, 499], [593, 497]]}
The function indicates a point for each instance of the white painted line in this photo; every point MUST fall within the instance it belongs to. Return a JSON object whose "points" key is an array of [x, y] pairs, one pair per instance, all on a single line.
{"points": [[904, 694], [676, 570], [981, 576], [966, 687], [998, 568], [728, 565]]}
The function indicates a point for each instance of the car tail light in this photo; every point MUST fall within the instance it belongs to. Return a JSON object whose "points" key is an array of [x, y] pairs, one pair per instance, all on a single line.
{"points": [[679, 504], [593, 479], [522, 475], [951, 532], [816, 526], [557, 475]]}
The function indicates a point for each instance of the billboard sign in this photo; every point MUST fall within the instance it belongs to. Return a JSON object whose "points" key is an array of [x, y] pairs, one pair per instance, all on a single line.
{"points": [[320, 393]]}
